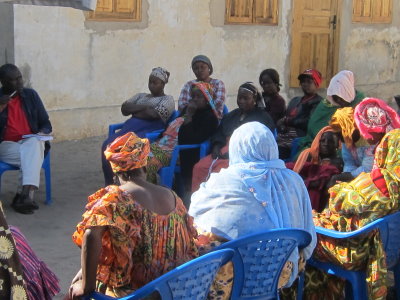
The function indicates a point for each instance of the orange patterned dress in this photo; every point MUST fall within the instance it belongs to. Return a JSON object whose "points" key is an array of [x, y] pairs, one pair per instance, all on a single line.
{"points": [[139, 244]]}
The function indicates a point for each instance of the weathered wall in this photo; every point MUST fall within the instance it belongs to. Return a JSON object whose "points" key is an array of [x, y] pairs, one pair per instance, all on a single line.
{"points": [[372, 52], [84, 70], [6, 33]]}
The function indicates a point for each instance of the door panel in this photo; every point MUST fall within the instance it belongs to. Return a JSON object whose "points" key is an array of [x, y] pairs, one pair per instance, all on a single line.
{"points": [[314, 38]]}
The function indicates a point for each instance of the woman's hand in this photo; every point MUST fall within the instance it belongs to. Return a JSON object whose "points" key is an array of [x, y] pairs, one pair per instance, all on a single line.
{"points": [[345, 176], [216, 152], [77, 277], [281, 125], [191, 108], [76, 291]]}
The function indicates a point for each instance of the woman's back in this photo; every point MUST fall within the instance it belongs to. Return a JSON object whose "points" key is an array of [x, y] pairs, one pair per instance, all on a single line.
{"points": [[140, 244]]}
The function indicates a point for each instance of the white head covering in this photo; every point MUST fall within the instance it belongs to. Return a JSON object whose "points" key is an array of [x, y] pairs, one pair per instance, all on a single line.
{"points": [[161, 74], [342, 85], [256, 192]]}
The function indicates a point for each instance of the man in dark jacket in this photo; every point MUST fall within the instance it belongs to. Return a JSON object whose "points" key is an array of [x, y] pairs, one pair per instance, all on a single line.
{"points": [[22, 113]]}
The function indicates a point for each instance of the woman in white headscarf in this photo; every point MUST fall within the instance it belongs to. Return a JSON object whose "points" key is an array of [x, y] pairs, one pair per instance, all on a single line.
{"points": [[340, 93], [256, 192]]}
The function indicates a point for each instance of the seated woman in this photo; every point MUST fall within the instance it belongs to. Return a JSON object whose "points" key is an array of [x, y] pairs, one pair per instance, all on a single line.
{"points": [[357, 154], [340, 93], [256, 192], [22, 274], [133, 232], [317, 164], [298, 112], [197, 123], [373, 118], [149, 112], [274, 104], [353, 205], [247, 100], [203, 69]]}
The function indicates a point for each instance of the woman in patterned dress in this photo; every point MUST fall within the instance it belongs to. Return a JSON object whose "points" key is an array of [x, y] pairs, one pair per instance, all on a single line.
{"points": [[133, 232], [353, 205]]}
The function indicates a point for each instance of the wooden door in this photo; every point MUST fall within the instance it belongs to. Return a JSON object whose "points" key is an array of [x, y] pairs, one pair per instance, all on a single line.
{"points": [[315, 39]]}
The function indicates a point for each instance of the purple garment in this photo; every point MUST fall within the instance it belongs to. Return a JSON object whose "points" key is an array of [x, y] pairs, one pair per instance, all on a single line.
{"points": [[41, 283]]}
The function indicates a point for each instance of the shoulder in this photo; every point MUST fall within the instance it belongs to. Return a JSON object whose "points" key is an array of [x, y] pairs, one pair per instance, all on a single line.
{"points": [[188, 84], [295, 100], [216, 82], [278, 99], [232, 114], [318, 97], [168, 98], [30, 92]]}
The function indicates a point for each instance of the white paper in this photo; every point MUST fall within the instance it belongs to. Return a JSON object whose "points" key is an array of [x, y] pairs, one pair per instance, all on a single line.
{"points": [[41, 137]]}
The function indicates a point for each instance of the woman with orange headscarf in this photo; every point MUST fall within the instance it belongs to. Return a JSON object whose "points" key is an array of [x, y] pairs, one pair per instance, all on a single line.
{"points": [[316, 165], [133, 232]]}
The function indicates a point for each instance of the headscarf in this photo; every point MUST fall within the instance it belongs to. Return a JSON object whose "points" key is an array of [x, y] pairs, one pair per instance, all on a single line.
{"points": [[127, 152], [252, 88], [315, 75], [374, 115], [255, 193], [313, 150], [342, 85], [208, 93], [343, 121], [204, 59], [161, 74]]}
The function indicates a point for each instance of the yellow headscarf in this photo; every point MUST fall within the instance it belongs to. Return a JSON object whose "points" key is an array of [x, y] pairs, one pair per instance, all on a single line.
{"points": [[127, 152], [343, 121]]}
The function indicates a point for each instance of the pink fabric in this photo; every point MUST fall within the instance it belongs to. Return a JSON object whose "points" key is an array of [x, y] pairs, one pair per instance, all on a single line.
{"points": [[374, 115], [202, 168], [342, 85]]}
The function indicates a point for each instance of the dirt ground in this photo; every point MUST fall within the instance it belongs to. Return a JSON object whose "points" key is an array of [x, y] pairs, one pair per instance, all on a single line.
{"points": [[76, 173]]}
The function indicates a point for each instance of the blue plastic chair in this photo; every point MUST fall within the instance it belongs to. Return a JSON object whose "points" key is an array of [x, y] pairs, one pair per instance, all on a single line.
{"points": [[191, 280], [356, 286], [225, 110], [112, 128], [47, 173], [259, 259], [167, 174]]}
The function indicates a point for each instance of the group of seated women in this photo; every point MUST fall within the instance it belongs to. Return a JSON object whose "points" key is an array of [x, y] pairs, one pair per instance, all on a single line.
{"points": [[134, 230]]}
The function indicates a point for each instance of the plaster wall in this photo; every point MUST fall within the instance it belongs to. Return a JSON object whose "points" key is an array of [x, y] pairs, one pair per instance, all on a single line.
{"points": [[84, 70], [372, 52], [6, 33]]}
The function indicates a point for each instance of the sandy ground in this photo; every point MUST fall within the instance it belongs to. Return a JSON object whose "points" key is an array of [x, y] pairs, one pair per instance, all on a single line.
{"points": [[76, 173]]}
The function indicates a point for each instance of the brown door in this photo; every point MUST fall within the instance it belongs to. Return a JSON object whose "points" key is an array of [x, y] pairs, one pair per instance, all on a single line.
{"points": [[315, 40]]}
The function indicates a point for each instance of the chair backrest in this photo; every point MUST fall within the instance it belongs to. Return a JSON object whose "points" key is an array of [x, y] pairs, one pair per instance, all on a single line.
{"points": [[191, 280], [390, 236], [174, 115], [225, 110], [259, 259]]}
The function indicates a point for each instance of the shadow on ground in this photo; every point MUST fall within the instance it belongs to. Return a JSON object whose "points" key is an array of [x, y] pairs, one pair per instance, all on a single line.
{"points": [[76, 173]]}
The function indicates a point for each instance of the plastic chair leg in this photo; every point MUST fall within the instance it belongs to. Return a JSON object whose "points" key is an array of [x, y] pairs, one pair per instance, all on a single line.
{"points": [[300, 286], [47, 174], [358, 287], [396, 271]]}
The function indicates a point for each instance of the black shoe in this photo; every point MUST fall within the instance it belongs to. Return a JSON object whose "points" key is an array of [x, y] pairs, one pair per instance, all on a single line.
{"points": [[22, 205], [34, 205]]}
